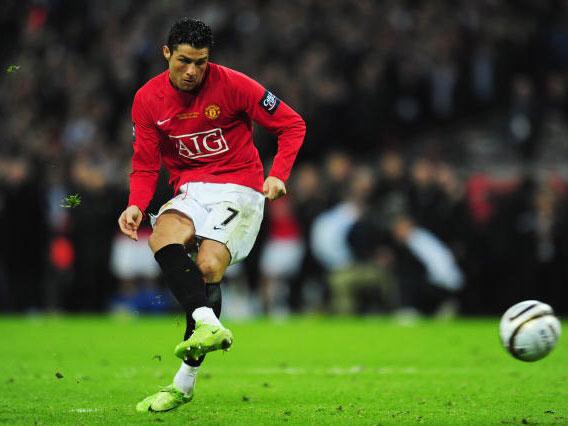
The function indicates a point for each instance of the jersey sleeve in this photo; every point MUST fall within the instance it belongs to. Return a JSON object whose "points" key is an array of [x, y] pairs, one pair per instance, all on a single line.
{"points": [[146, 157], [277, 117]]}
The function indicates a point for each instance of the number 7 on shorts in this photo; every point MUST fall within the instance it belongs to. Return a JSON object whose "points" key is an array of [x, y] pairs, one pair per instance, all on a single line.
{"points": [[234, 213]]}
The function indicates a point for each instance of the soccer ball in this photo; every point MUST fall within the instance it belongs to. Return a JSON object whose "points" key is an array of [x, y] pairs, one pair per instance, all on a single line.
{"points": [[529, 330]]}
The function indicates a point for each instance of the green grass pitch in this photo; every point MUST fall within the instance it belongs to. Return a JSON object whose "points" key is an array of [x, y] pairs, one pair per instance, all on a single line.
{"points": [[304, 371]]}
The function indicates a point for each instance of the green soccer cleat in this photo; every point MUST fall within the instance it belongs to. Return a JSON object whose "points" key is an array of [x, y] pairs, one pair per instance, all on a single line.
{"points": [[166, 399], [205, 338]]}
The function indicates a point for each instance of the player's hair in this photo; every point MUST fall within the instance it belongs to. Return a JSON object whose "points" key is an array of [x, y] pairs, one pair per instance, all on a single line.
{"points": [[192, 32]]}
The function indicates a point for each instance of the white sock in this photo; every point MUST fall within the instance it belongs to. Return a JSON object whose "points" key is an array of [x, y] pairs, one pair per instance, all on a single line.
{"points": [[206, 315], [184, 379]]}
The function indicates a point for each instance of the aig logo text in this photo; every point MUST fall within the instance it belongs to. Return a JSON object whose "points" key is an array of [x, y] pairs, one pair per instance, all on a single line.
{"points": [[201, 144]]}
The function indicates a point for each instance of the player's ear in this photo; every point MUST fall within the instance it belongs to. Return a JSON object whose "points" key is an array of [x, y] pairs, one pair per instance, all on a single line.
{"points": [[166, 52]]}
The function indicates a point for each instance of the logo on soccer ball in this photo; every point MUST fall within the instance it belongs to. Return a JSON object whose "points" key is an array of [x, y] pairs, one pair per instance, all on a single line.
{"points": [[529, 330], [212, 111]]}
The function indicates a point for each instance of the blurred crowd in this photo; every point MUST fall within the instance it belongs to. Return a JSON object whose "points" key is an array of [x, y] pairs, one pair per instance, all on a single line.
{"points": [[392, 234], [433, 176]]}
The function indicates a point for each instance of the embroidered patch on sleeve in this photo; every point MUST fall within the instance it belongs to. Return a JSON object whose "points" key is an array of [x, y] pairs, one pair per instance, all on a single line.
{"points": [[269, 102]]}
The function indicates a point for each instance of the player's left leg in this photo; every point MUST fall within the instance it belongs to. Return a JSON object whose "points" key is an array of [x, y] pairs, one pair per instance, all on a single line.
{"points": [[172, 230], [181, 390], [213, 258], [214, 271], [233, 216]]}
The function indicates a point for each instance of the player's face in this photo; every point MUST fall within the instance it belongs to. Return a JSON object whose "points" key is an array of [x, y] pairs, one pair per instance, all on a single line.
{"points": [[187, 66]]}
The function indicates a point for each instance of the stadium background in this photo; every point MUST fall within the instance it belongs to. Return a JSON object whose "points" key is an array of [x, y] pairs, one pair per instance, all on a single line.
{"points": [[449, 112]]}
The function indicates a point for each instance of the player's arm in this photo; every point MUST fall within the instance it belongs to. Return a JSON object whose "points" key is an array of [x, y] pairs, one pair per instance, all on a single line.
{"points": [[278, 118], [145, 168]]}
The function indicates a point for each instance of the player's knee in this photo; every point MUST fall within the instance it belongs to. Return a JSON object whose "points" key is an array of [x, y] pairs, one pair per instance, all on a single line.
{"points": [[211, 268]]}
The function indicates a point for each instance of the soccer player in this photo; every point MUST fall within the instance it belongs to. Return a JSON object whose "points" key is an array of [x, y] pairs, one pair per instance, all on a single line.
{"points": [[196, 118]]}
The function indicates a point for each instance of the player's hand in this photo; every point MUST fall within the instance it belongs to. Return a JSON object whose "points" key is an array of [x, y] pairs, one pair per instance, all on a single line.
{"points": [[273, 188], [129, 221]]}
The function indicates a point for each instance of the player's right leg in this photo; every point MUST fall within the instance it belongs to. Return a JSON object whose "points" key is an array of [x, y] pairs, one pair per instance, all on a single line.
{"points": [[181, 390], [213, 258], [173, 230]]}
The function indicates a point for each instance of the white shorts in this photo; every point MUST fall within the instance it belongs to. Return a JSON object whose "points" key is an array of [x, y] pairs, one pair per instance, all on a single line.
{"points": [[224, 212]]}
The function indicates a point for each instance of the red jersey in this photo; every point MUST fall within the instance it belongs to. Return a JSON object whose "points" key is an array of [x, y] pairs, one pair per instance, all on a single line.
{"points": [[206, 136]]}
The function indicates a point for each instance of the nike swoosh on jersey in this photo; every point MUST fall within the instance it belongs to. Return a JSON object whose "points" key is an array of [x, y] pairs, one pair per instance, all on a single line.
{"points": [[160, 122]]}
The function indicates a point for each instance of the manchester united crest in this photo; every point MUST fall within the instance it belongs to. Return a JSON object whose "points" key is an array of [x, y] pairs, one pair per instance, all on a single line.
{"points": [[212, 111]]}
